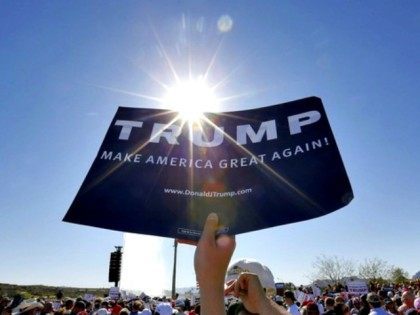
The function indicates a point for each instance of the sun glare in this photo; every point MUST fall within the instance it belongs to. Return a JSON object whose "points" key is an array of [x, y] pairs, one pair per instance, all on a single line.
{"points": [[191, 99]]}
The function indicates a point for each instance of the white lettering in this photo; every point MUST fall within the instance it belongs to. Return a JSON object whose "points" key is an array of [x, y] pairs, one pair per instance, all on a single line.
{"points": [[197, 138], [182, 162], [244, 162], [299, 120], [266, 127], [173, 161], [298, 149], [169, 132], [245, 134], [276, 156], [253, 161], [261, 156], [287, 152], [106, 155], [127, 126], [163, 160], [198, 163]]}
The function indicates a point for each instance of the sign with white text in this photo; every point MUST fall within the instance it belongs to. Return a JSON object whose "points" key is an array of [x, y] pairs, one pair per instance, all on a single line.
{"points": [[357, 287], [114, 293], [156, 174]]}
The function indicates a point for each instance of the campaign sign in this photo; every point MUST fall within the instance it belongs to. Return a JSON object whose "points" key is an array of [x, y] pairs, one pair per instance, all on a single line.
{"points": [[357, 287], [157, 174], [114, 293]]}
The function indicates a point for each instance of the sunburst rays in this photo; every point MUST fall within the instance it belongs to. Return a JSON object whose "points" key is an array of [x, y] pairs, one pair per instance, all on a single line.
{"points": [[196, 121]]}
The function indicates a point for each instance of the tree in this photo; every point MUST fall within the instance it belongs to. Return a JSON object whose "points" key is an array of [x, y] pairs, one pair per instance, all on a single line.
{"points": [[416, 275], [373, 269], [333, 268], [398, 275]]}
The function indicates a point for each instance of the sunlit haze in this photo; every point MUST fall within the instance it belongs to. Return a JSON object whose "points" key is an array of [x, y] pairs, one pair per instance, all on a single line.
{"points": [[143, 265]]}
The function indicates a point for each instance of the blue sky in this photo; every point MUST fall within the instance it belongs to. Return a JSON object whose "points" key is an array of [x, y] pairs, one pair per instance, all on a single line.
{"points": [[64, 64]]}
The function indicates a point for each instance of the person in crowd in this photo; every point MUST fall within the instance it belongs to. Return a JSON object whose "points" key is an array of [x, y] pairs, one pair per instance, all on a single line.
{"points": [[4, 302], [136, 307], [390, 307], [375, 304], [341, 309], [365, 309], [329, 306], [68, 306], [407, 299], [32, 308], [187, 304], [417, 302], [96, 305], [397, 300], [124, 311], [211, 260], [290, 301], [79, 308], [338, 299], [382, 296], [320, 303], [195, 310], [115, 308], [102, 311], [48, 308], [89, 307], [264, 274], [164, 307], [144, 310], [311, 308], [356, 306]]}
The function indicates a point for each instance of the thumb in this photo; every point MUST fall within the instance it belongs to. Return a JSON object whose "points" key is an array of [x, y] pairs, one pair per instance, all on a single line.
{"points": [[210, 228]]}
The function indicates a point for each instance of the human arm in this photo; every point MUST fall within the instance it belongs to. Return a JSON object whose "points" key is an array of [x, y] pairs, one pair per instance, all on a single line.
{"points": [[211, 260], [248, 288]]}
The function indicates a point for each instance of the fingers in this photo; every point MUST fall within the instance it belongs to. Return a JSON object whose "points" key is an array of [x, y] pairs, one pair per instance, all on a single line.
{"points": [[210, 228], [238, 287], [230, 287], [241, 285]]}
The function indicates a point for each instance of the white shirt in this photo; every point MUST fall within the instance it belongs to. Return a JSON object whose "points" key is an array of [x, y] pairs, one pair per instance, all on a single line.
{"points": [[378, 311], [293, 309], [164, 308]]}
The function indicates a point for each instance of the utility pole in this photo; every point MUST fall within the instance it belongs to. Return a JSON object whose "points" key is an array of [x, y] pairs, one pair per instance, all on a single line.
{"points": [[174, 270]]}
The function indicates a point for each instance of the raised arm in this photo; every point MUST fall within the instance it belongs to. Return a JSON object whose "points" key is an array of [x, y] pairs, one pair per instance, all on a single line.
{"points": [[211, 260]]}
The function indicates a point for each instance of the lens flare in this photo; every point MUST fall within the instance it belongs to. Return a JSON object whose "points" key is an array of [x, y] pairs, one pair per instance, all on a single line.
{"points": [[191, 99]]}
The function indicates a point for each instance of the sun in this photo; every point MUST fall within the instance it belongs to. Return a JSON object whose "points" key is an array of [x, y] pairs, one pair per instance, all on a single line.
{"points": [[191, 99]]}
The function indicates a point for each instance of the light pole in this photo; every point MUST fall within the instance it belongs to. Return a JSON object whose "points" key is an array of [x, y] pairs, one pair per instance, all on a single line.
{"points": [[174, 270]]}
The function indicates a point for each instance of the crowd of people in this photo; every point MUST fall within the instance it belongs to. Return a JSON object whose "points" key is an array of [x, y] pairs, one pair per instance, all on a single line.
{"points": [[99, 306], [246, 287], [403, 300]]}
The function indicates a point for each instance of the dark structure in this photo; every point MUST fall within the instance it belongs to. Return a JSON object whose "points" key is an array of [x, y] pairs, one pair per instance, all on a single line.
{"points": [[115, 266]]}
